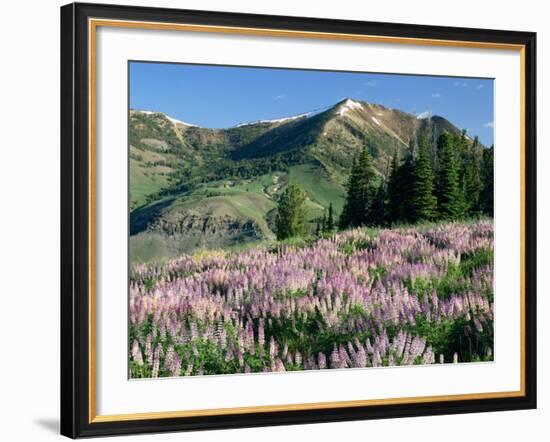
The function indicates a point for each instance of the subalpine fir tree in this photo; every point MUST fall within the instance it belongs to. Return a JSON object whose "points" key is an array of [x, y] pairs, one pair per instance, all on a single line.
{"points": [[330, 219], [486, 198], [360, 192], [423, 205], [472, 179], [406, 186], [349, 209], [462, 155], [378, 210], [393, 210], [450, 203], [367, 186], [461, 145]]}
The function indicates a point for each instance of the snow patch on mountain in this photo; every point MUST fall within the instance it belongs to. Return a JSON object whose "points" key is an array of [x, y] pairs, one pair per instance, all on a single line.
{"points": [[376, 121], [276, 120], [348, 105], [172, 120]]}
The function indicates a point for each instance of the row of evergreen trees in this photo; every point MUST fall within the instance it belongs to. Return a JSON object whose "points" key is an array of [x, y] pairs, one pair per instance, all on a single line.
{"points": [[452, 181]]}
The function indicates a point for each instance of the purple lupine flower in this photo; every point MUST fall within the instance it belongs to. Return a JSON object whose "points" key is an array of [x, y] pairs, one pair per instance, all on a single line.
{"points": [[261, 334], [477, 325], [175, 367], [250, 338], [136, 353], [335, 358], [279, 366], [376, 359], [321, 361], [360, 359], [285, 351], [156, 361], [289, 358], [240, 357], [428, 356], [229, 354], [309, 364], [343, 357], [224, 300], [149, 350], [272, 348]]}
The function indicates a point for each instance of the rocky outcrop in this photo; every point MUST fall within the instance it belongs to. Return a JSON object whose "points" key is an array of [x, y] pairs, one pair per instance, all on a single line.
{"points": [[190, 232]]}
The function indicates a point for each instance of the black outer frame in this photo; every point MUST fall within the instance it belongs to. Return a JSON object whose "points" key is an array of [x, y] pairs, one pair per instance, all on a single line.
{"points": [[75, 220]]}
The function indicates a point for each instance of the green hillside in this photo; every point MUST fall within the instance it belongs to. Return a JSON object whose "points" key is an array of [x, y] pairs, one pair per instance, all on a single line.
{"points": [[196, 188]]}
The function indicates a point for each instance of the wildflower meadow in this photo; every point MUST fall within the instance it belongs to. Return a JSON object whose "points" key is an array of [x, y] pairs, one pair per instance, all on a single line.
{"points": [[355, 299]]}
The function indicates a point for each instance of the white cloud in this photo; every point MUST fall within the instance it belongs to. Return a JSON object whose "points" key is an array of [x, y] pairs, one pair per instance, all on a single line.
{"points": [[479, 86], [436, 95], [461, 84], [280, 97], [490, 124], [371, 83]]}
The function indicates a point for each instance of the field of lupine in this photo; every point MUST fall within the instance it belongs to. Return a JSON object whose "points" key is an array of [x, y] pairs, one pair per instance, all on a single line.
{"points": [[361, 298]]}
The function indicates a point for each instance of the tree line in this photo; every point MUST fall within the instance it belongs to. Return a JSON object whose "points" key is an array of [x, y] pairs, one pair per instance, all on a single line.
{"points": [[451, 181]]}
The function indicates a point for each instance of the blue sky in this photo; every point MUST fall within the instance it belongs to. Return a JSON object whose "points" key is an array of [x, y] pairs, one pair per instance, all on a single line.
{"points": [[221, 96]]}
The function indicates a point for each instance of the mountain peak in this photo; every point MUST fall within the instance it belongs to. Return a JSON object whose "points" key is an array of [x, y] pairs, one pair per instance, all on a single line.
{"points": [[347, 105], [424, 115]]}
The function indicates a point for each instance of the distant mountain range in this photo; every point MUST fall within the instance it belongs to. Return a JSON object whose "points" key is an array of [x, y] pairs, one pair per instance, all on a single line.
{"points": [[194, 187]]}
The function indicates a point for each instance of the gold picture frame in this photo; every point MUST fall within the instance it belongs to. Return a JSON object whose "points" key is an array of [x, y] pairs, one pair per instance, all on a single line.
{"points": [[79, 54]]}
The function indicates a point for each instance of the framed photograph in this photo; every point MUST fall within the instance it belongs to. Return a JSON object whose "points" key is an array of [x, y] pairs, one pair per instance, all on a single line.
{"points": [[274, 220]]}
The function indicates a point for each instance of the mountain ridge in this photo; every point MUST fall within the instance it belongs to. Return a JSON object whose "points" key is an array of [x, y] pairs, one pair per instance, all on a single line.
{"points": [[227, 180], [281, 119]]}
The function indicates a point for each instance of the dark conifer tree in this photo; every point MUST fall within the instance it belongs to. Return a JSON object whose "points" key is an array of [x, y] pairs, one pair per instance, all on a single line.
{"points": [[472, 179], [378, 210], [367, 186], [330, 219], [394, 192], [462, 154], [350, 205], [486, 198], [406, 186], [423, 202], [450, 203], [360, 192], [461, 145]]}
